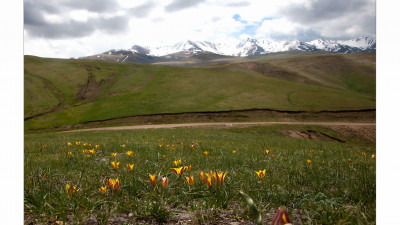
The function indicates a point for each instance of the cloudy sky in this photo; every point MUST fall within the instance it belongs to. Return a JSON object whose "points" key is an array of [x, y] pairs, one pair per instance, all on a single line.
{"points": [[74, 28]]}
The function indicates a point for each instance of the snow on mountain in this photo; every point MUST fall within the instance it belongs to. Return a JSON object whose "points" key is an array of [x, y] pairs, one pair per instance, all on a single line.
{"points": [[251, 47]]}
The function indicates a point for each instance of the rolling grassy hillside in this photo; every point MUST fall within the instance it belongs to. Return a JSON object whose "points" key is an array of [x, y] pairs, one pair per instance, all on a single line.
{"points": [[61, 92]]}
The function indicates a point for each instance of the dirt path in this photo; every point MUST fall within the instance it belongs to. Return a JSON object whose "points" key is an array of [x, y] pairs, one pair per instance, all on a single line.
{"points": [[221, 124]]}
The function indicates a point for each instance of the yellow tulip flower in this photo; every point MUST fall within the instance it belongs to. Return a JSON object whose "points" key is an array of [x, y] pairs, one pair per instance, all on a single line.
{"points": [[84, 144], [78, 143], [209, 181], [153, 179], [103, 189], [114, 154], [130, 166], [122, 146], [190, 180], [219, 177], [350, 160], [373, 157], [179, 170], [70, 189], [91, 152], [97, 146], [234, 151], [188, 168], [261, 173], [308, 161], [115, 164], [364, 155], [129, 153], [266, 151], [177, 162], [113, 184], [206, 153], [202, 176], [69, 153], [69, 144]]}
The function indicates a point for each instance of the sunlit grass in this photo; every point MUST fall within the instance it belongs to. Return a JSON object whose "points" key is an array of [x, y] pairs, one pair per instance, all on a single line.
{"points": [[328, 182]]}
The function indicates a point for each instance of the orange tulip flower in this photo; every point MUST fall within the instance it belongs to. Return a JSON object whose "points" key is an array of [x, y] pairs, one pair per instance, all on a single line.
{"points": [[164, 182]]}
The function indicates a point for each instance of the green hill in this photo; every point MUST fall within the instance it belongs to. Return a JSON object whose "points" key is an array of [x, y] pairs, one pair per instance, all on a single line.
{"points": [[61, 92]]}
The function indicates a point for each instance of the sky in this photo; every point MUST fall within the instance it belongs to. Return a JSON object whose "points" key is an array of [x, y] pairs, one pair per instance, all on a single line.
{"points": [[75, 28]]}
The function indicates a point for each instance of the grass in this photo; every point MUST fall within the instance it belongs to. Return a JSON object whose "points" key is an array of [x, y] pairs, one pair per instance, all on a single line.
{"points": [[70, 92], [329, 190]]}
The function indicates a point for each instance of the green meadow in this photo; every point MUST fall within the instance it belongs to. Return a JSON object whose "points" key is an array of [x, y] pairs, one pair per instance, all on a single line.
{"points": [[61, 93], [318, 182]]}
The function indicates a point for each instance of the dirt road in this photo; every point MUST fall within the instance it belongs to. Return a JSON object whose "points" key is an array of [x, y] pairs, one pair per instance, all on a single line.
{"points": [[225, 124]]}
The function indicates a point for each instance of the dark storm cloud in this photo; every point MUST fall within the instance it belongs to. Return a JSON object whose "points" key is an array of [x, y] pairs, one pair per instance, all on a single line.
{"points": [[321, 10], [76, 29], [98, 6], [37, 26], [177, 5], [142, 11]]}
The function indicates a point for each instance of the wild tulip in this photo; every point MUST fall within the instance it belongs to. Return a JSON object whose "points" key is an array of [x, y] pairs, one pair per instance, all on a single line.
{"points": [[234, 151], [122, 146], [164, 182], [373, 157], [272, 156], [364, 155], [177, 162], [188, 168], [44, 146], [70, 189], [69, 153], [206, 153], [114, 154], [78, 143], [97, 146], [89, 145], [91, 152], [84, 144], [69, 144], [209, 181], [190, 180], [266, 151], [202, 176], [129, 153], [160, 145], [261, 173], [219, 177], [115, 164], [312, 150], [350, 160], [179, 170], [103, 189], [308, 161], [153, 179], [130, 166], [113, 184]]}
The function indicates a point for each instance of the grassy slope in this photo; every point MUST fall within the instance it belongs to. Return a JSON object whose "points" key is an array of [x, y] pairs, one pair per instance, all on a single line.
{"points": [[135, 89]]}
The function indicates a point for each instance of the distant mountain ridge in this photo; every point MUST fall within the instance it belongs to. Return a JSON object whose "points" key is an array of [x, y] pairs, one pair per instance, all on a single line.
{"points": [[244, 48]]}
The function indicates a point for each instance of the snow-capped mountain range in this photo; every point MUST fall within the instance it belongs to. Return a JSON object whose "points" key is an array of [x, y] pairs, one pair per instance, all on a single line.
{"points": [[250, 47]]}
